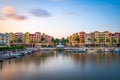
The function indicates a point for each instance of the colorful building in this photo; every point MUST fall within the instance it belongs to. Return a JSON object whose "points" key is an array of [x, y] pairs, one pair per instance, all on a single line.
{"points": [[88, 39], [101, 38], [117, 36], [38, 37], [27, 38], [32, 38], [82, 38], [4, 39], [12, 38], [19, 38]]}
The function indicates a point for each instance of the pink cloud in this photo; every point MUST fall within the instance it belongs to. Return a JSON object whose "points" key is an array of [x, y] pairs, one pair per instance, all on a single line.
{"points": [[10, 13]]}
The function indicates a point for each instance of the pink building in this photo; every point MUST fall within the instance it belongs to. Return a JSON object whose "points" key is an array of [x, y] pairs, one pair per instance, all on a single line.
{"points": [[38, 35], [33, 38], [82, 38]]}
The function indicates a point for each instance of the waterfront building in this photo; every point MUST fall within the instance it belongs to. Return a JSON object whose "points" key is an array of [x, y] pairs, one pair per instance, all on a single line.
{"points": [[88, 39], [27, 38], [82, 38], [4, 39], [101, 38], [117, 36], [12, 38], [32, 38], [19, 38], [38, 37]]}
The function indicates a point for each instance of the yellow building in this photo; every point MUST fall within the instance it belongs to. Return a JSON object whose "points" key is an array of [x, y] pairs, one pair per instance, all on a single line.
{"points": [[27, 38], [12, 37], [102, 38]]}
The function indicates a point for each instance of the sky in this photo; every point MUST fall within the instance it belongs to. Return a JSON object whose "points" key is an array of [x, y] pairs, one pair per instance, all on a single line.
{"points": [[59, 18]]}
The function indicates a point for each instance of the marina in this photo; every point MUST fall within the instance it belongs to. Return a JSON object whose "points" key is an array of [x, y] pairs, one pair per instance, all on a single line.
{"points": [[77, 66]]}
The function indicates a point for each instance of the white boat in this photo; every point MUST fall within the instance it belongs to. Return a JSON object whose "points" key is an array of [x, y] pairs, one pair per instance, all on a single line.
{"points": [[105, 50], [5, 56], [116, 50], [92, 50], [13, 55], [82, 50]]}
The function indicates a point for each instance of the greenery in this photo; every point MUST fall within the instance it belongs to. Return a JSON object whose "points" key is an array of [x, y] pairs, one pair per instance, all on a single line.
{"points": [[114, 40], [64, 41], [119, 40], [77, 38], [19, 40], [42, 39], [11, 48], [95, 40], [89, 39], [82, 41], [107, 40]]}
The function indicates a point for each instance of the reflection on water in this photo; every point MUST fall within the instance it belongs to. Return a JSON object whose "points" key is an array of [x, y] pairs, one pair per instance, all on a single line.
{"points": [[62, 66]]}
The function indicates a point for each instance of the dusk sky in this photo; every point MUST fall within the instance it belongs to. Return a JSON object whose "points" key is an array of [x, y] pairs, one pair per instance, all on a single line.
{"points": [[59, 18]]}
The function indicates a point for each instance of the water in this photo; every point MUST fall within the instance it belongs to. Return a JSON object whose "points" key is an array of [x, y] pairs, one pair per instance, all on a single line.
{"points": [[62, 66]]}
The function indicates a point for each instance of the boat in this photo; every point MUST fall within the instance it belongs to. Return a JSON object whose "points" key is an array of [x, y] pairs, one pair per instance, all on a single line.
{"points": [[60, 47], [105, 50], [82, 50], [91, 50], [6, 56], [116, 50]]}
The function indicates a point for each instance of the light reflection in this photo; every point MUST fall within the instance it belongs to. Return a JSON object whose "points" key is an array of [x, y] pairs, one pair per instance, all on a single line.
{"points": [[59, 63]]}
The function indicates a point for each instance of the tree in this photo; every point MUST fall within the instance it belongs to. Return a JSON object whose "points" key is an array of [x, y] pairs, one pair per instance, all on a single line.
{"points": [[64, 41], [95, 40], [118, 40], [82, 41], [101, 40], [77, 39], [107, 41], [57, 41], [19, 40], [53, 41], [89, 39], [42, 39], [114, 41]]}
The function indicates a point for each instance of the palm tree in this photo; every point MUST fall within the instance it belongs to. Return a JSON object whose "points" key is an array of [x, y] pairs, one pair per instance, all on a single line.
{"points": [[107, 41], [89, 39], [53, 41], [101, 40], [77, 39], [95, 40], [114, 41], [19, 40], [32, 42], [64, 41], [42, 39], [118, 40], [57, 41]]}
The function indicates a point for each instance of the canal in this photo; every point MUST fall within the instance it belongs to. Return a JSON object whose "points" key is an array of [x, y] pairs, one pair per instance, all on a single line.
{"points": [[62, 66]]}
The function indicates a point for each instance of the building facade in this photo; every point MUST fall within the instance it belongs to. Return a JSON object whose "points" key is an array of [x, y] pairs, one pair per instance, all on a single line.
{"points": [[19, 37], [27, 38], [4, 39], [88, 38]]}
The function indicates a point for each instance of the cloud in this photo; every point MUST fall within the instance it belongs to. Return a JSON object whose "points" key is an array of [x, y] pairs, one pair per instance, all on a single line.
{"points": [[72, 13], [40, 12], [1, 18], [10, 13]]}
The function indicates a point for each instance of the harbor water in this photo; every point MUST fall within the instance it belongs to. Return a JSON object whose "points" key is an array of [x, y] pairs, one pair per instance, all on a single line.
{"points": [[60, 65]]}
